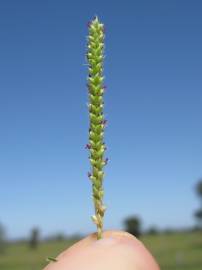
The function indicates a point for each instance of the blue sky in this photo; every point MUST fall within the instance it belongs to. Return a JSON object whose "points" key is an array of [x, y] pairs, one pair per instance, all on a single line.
{"points": [[153, 105]]}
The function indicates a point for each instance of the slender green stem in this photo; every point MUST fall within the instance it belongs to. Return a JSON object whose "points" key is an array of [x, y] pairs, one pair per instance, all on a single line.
{"points": [[96, 146]]}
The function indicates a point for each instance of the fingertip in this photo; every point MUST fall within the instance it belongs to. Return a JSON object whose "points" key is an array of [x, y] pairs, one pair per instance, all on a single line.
{"points": [[129, 245], [116, 250]]}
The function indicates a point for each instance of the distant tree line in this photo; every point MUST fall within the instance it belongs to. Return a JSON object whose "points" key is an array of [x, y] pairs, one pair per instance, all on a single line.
{"points": [[132, 224]]}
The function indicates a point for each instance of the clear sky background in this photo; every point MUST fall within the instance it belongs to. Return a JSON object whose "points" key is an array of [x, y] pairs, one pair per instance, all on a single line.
{"points": [[153, 104]]}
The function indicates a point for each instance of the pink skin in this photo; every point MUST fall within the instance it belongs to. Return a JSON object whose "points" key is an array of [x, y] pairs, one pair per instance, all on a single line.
{"points": [[117, 250]]}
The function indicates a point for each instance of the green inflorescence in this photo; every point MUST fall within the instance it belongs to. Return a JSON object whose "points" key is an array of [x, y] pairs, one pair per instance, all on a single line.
{"points": [[96, 146]]}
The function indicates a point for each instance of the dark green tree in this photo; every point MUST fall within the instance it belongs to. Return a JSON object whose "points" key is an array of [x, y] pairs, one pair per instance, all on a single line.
{"points": [[198, 213], [34, 238], [2, 238], [133, 225], [199, 190]]}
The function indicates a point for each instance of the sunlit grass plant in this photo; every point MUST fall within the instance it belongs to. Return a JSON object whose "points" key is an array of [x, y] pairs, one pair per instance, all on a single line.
{"points": [[96, 145]]}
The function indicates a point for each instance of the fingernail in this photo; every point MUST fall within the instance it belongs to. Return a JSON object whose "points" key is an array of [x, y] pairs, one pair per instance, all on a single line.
{"points": [[125, 238], [117, 239], [109, 241]]}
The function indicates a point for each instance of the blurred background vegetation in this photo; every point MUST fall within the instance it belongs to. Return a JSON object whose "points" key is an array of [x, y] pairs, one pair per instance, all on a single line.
{"points": [[173, 249]]}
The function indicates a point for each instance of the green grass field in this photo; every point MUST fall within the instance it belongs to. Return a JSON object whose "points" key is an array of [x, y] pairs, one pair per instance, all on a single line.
{"points": [[176, 251], [172, 251]]}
